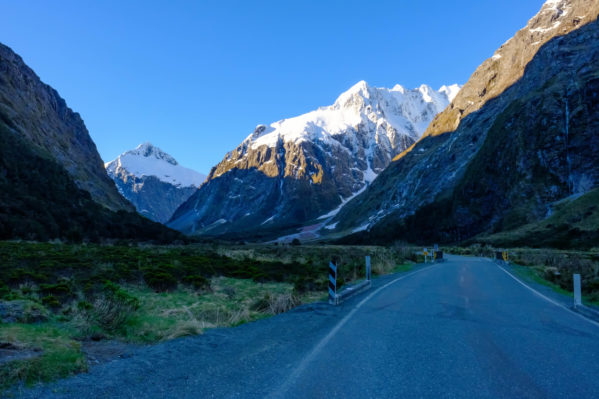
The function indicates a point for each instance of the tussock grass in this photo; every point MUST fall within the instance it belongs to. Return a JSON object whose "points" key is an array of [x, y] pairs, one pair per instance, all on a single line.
{"points": [[146, 294], [59, 355], [230, 302]]}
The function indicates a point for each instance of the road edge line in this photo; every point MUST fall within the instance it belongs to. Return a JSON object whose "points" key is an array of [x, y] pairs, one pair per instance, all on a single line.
{"points": [[324, 341], [544, 296]]}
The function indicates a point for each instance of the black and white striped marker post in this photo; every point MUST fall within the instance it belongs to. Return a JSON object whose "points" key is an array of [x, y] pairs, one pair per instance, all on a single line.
{"points": [[332, 283]]}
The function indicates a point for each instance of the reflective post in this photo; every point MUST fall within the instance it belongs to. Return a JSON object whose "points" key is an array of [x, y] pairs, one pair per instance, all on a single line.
{"points": [[577, 293], [332, 283]]}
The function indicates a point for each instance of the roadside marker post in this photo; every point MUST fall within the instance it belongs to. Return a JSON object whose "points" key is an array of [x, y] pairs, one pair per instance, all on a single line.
{"points": [[368, 269], [577, 290], [332, 283], [502, 256], [425, 252]]}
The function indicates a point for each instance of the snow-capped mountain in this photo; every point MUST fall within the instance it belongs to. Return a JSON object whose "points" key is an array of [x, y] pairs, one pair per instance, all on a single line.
{"points": [[297, 169], [389, 114], [519, 136], [153, 181]]}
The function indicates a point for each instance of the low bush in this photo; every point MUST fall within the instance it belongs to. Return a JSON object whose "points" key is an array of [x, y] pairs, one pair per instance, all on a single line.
{"points": [[198, 282], [160, 280]]}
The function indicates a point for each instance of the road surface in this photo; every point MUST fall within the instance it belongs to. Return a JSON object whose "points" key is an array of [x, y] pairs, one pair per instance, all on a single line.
{"points": [[461, 329]]}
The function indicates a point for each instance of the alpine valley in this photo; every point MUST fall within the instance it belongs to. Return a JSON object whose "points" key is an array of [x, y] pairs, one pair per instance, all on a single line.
{"points": [[99, 261], [515, 145], [300, 171], [507, 159]]}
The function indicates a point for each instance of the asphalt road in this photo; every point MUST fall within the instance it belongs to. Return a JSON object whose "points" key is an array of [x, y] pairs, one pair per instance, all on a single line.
{"points": [[460, 329]]}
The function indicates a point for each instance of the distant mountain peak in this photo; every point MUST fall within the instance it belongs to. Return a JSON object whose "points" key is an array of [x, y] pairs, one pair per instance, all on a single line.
{"points": [[148, 160], [148, 150], [406, 112]]}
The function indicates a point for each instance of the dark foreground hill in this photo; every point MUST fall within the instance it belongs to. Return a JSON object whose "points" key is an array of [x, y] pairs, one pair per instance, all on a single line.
{"points": [[52, 181]]}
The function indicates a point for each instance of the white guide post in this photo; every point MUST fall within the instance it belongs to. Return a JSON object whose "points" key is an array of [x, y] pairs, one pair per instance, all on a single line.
{"points": [[577, 291]]}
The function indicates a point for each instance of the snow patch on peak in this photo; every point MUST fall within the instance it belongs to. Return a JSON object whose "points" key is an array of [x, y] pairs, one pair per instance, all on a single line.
{"points": [[553, 3], [450, 91], [147, 150], [399, 88], [360, 90], [149, 160], [558, 8], [404, 112], [426, 93]]}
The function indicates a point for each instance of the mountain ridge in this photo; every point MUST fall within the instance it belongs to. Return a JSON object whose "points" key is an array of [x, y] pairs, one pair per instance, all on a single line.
{"points": [[36, 111], [506, 66], [326, 155], [479, 178]]}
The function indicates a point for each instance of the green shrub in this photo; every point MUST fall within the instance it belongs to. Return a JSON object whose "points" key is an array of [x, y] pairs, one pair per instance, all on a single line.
{"points": [[112, 309], [198, 282], [160, 280], [304, 284], [4, 290], [60, 289], [51, 301]]}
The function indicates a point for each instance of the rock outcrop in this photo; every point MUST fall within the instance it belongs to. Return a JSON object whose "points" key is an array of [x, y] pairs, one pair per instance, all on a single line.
{"points": [[506, 66]]}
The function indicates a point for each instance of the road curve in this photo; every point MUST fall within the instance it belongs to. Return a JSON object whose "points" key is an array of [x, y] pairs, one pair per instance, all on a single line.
{"points": [[460, 329]]}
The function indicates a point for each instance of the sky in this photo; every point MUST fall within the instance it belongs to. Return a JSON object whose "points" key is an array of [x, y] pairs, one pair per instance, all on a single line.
{"points": [[195, 77]]}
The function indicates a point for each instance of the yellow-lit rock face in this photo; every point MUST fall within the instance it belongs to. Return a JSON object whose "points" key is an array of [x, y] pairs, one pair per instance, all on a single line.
{"points": [[507, 65], [317, 177]]}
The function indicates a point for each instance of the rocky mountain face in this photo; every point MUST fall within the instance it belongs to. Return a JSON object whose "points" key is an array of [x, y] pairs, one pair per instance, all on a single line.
{"points": [[506, 66], [36, 112], [299, 169], [52, 182], [508, 162], [153, 181]]}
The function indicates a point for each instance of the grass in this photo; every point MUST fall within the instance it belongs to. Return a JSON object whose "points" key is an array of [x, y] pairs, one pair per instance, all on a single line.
{"points": [[168, 315], [573, 224], [533, 273], [406, 267], [536, 275], [146, 294], [61, 355]]}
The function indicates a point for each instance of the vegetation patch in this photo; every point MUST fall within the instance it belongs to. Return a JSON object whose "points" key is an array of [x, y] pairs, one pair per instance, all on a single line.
{"points": [[78, 293], [58, 355]]}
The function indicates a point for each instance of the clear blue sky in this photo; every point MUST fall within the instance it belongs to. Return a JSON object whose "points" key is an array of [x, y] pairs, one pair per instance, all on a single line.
{"points": [[196, 77]]}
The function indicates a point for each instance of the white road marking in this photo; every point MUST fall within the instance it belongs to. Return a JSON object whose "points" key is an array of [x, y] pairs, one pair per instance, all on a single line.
{"points": [[310, 357], [545, 297]]}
